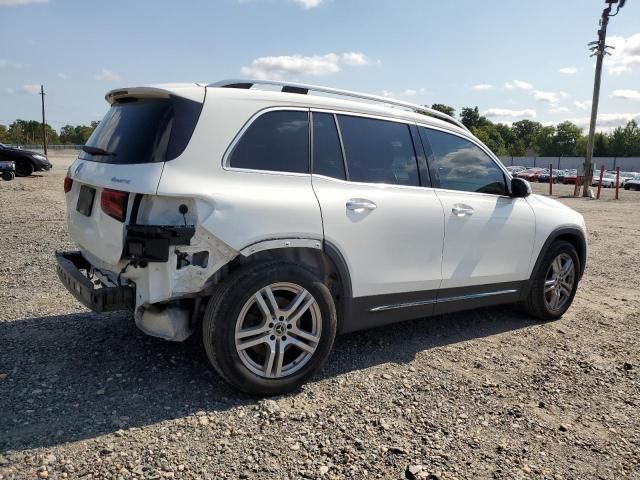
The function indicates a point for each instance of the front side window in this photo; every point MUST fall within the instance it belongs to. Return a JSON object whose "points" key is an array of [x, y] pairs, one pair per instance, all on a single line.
{"points": [[458, 164], [378, 151], [276, 141]]}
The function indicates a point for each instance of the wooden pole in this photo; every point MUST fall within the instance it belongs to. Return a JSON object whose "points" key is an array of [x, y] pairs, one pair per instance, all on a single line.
{"points": [[44, 122]]}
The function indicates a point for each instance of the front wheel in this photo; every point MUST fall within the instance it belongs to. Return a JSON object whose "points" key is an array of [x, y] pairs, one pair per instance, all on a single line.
{"points": [[269, 327], [555, 283], [24, 168]]}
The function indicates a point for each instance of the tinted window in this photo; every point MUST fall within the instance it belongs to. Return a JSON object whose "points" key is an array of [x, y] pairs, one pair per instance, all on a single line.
{"points": [[327, 153], [277, 141], [378, 151], [144, 131], [458, 164]]}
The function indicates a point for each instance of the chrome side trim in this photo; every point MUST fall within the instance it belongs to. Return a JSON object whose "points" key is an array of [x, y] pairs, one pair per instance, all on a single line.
{"points": [[383, 308], [477, 295]]}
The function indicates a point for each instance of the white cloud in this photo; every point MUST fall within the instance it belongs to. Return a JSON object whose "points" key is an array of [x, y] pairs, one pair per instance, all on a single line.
{"points": [[30, 89], [549, 97], [355, 59], [12, 3], [608, 121], [519, 84], [568, 70], [278, 67], [482, 86], [559, 110], [582, 105], [507, 113], [62, 76], [627, 94], [108, 76], [9, 90], [408, 92], [11, 64], [626, 55], [308, 3]]}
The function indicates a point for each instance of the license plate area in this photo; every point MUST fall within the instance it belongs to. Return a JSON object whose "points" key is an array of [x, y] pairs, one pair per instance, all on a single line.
{"points": [[85, 200]]}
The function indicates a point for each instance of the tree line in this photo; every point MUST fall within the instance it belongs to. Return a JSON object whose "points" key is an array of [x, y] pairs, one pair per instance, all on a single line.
{"points": [[528, 137], [28, 132], [525, 137]]}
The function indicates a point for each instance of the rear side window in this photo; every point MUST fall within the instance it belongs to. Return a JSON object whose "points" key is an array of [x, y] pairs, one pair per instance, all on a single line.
{"points": [[276, 141], [458, 164], [327, 153], [378, 151], [143, 130]]}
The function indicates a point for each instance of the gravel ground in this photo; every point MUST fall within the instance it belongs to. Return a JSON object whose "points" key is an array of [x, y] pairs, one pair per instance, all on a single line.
{"points": [[482, 394]]}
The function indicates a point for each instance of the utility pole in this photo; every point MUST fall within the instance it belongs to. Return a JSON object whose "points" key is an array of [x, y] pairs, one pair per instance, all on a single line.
{"points": [[44, 123], [599, 50]]}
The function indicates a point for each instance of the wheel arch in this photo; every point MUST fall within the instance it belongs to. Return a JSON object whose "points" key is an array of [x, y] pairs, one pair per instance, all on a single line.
{"points": [[323, 258], [573, 235]]}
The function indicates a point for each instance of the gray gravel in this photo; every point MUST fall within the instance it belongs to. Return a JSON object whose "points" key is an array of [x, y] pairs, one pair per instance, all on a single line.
{"points": [[482, 394]]}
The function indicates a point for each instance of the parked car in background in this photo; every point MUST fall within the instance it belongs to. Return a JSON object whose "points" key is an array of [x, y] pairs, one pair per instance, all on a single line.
{"points": [[514, 170], [531, 174], [543, 177], [608, 180], [7, 170], [632, 183], [26, 161], [624, 176], [569, 177], [399, 213]]}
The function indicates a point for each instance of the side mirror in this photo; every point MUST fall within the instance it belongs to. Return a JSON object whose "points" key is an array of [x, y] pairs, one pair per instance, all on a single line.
{"points": [[520, 188]]}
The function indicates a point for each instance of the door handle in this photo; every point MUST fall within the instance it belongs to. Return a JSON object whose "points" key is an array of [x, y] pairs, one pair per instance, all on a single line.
{"points": [[359, 205], [462, 210]]}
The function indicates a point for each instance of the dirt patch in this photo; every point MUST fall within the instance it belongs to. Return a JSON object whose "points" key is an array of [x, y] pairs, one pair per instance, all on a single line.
{"points": [[481, 394]]}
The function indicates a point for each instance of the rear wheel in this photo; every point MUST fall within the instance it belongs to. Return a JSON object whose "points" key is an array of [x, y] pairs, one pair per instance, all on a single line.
{"points": [[555, 284], [269, 327], [24, 168]]}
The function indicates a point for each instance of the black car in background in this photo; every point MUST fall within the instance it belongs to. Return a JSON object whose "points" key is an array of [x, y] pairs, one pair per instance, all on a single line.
{"points": [[26, 161]]}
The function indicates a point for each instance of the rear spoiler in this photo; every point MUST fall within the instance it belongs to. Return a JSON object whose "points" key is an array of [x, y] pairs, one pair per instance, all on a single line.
{"points": [[191, 91]]}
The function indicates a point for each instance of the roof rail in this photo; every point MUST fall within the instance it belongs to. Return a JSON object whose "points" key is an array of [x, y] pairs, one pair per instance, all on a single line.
{"points": [[301, 88]]}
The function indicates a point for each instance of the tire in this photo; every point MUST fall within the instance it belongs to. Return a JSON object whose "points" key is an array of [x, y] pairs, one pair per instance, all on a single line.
{"points": [[626, 187], [7, 176], [540, 303], [24, 168], [234, 308]]}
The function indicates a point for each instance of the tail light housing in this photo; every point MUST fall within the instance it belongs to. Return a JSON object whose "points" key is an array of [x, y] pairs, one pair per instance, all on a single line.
{"points": [[114, 203], [68, 183]]}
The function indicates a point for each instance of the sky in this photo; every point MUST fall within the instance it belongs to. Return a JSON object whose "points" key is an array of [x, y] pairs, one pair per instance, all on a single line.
{"points": [[514, 60]]}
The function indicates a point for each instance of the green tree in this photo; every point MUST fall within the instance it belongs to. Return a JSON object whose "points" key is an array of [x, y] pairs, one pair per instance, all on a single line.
{"points": [[543, 142], [566, 139], [490, 136], [3, 134], [441, 107], [471, 118], [30, 132], [600, 146], [526, 131]]}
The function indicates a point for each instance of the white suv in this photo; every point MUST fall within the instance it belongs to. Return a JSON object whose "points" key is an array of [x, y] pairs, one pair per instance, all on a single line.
{"points": [[278, 215]]}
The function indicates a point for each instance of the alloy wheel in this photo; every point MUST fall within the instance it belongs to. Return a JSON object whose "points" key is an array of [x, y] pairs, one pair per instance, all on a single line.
{"points": [[559, 282], [278, 330]]}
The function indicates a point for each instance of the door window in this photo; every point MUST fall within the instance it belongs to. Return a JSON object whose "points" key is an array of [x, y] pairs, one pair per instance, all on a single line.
{"points": [[276, 141], [378, 151], [327, 152], [458, 164]]}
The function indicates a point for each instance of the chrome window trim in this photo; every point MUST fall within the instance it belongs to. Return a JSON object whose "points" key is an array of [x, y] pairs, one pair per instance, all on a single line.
{"points": [[245, 127], [472, 296]]}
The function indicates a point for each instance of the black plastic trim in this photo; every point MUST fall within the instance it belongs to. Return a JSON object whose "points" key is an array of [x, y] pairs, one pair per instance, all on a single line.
{"points": [[104, 299], [558, 232], [150, 243]]}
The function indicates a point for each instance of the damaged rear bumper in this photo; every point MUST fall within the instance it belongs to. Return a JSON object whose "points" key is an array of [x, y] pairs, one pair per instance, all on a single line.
{"points": [[70, 266]]}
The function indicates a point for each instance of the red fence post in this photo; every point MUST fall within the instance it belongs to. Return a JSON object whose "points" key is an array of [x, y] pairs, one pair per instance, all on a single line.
{"points": [[575, 187], [600, 182], [617, 182], [551, 179]]}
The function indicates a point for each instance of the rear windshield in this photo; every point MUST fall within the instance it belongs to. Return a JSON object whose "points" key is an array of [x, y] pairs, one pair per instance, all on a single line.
{"points": [[143, 130]]}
